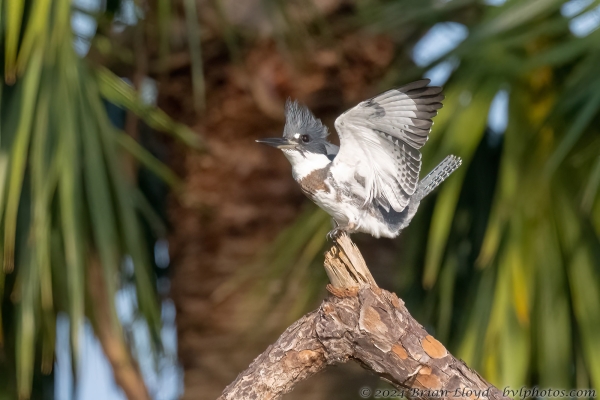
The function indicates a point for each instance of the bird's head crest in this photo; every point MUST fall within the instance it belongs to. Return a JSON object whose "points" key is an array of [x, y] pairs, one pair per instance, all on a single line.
{"points": [[299, 120]]}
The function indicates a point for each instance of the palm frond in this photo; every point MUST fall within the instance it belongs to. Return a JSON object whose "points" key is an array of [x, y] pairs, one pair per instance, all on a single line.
{"points": [[67, 196], [508, 261]]}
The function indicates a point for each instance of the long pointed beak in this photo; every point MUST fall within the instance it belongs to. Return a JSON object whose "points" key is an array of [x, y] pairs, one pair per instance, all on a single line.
{"points": [[280, 143]]}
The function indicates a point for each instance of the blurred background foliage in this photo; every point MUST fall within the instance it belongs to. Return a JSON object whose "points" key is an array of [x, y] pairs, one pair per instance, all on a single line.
{"points": [[501, 263], [69, 198]]}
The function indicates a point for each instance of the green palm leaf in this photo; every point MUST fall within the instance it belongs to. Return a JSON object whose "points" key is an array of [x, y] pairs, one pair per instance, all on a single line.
{"points": [[510, 283], [66, 198]]}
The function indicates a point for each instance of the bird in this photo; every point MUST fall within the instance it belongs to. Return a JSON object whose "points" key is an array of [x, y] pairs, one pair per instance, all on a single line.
{"points": [[370, 183]]}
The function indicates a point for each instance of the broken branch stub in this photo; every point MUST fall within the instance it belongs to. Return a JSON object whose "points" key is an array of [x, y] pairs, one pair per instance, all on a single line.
{"points": [[345, 266], [367, 324]]}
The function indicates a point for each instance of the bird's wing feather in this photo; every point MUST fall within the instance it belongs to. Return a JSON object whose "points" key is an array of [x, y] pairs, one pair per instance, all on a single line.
{"points": [[380, 141]]}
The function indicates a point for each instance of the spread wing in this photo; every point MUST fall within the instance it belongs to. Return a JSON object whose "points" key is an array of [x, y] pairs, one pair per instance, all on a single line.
{"points": [[380, 141]]}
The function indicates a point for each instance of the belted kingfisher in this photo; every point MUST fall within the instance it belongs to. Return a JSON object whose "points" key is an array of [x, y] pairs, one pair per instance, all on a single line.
{"points": [[371, 182]]}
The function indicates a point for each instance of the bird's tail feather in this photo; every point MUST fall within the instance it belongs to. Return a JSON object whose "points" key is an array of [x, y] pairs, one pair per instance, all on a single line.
{"points": [[438, 175]]}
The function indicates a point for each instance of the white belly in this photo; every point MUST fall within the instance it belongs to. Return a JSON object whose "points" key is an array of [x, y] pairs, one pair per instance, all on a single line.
{"points": [[341, 211], [341, 203], [345, 212]]}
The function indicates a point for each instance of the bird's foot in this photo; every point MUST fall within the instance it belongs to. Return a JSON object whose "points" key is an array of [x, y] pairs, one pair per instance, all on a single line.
{"points": [[336, 232]]}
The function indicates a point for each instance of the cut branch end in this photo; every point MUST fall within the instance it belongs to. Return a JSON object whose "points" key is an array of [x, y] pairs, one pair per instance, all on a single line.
{"points": [[364, 323], [345, 266]]}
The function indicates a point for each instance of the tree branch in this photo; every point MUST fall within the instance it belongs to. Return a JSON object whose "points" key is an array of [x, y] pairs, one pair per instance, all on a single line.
{"points": [[364, 323]]}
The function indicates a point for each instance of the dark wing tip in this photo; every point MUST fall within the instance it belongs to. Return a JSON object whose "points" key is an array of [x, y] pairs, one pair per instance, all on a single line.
{"points": [[421, 83], [422, 123], [424, 91]]}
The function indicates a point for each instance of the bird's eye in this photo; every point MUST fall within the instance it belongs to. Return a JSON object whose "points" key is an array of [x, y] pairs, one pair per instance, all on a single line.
{"points": [[305, 138]]}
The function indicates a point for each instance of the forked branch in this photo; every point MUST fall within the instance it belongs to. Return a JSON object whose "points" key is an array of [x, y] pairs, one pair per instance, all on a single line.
{"points": [[364, 323]]}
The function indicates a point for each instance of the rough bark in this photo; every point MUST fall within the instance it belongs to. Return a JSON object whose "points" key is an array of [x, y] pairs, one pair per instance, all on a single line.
{"points": [[239, 196], [367, 324]]}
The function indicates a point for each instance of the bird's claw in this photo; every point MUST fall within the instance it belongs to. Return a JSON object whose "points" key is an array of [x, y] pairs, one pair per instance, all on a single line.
{"points": [[335, 233]]}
